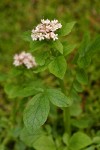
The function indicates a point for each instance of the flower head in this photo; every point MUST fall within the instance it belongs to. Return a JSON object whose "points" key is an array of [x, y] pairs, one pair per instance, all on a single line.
{"points": [[24, 59], [46, 30]]}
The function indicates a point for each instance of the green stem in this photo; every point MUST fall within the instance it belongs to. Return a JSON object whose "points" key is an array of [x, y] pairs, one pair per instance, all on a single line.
{"points": [[66, 111], [14, 110], [66, 118]]}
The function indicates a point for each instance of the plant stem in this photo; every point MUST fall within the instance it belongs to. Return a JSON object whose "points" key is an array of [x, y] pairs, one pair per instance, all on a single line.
{"points": [[14, 110], [66, 111]]}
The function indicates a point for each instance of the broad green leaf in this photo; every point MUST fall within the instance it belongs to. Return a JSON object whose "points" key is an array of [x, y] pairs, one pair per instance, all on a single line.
{"points": [[58, 98], [96, 140], [83, 60], [84, 45], [30, 138], [68, 49], [58, 46], [79, 140], [81, 76], [58, 67], [36, 112], [94, 46], [26, 36], [40, 69], [45, 143], [81, 123], [66, 28], [87, 50], [23, 90], [35, 45], [77, 86]]}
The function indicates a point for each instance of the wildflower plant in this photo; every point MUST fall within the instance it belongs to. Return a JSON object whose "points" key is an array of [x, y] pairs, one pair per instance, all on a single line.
{"points": [[49, 52]]}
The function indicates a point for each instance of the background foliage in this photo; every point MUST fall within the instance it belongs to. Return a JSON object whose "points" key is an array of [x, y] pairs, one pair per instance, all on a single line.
{"points": [[21, 15]]}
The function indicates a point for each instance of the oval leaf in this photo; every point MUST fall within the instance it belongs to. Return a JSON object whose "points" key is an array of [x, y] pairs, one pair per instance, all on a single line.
{"points": [[81, 76], [79, 140], [36, 112], [58, 98], [58, 67], [66, 28]]}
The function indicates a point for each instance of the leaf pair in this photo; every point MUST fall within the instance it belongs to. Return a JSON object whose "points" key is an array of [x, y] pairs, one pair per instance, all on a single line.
{"points": [[37, 110]]}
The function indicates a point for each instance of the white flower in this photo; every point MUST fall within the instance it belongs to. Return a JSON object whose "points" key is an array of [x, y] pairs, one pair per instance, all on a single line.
{"points": [[24, 59], [46, 30], [54, 36], [47, 21]]}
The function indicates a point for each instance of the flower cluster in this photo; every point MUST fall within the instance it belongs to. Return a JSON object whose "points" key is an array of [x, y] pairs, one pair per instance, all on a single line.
{"points": [[46, 30], [24, 59]]}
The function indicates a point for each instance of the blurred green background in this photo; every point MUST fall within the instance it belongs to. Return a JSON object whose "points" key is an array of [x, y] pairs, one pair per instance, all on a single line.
{"points": [[17, 16]]}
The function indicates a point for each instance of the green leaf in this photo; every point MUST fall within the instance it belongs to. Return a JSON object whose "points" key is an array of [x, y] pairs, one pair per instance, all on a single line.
{"points": [[66, 28], [68, 49], [58, 98], [36, 112], [81, 123], [74, 95], [58, 46], [26, 36], [77, 86], [83, 60], [96, 140], [30, 138], [84, 45], [81, 76], [23, 90], [45, 143], [42, 68], [87, 50], [41, 57], [58, 67], [79, 140], [15, 72], [35, 45], [94, 46]]}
